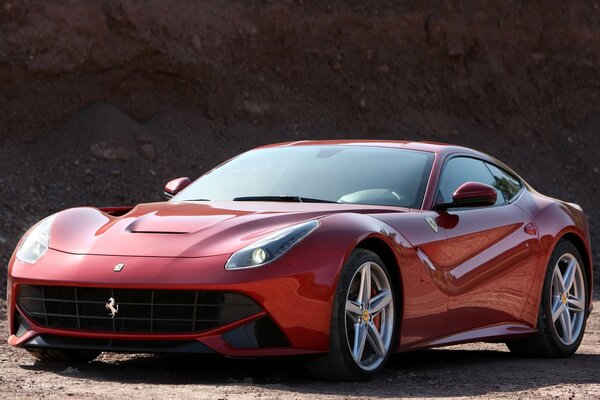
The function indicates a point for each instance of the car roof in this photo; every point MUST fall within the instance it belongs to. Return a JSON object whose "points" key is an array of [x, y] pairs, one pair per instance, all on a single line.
{"points": [[441, 149]]}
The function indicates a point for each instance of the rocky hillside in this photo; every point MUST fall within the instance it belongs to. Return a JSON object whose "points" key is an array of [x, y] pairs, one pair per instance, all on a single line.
{"points": [[101, 102]]}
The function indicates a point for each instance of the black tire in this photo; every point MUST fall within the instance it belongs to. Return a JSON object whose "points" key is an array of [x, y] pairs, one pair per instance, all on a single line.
{"points": [[64, 356], [338, 364], [546, 343]]}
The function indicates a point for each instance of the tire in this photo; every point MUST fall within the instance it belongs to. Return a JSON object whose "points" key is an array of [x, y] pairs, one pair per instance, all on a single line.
{"points": [[374, 324], [66, 356], [552, 339]]}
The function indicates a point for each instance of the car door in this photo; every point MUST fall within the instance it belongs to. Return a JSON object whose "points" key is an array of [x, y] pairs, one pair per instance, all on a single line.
{"points": [[490, 252]]}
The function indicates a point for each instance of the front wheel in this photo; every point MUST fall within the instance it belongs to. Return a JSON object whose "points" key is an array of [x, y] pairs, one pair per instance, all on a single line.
{"points": [[363, 321], [563, 308]]}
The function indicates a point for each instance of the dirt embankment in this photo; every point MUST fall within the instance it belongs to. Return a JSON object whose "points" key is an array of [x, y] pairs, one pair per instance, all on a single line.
{"points": [[102, 102]]}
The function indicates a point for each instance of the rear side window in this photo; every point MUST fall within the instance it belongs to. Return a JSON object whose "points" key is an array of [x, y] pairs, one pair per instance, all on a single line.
{"points": [[504, 182], [460, 170]]}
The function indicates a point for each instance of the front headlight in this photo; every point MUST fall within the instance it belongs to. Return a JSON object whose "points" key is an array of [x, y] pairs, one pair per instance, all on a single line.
{"points": [[271, 247], [37, 241]]}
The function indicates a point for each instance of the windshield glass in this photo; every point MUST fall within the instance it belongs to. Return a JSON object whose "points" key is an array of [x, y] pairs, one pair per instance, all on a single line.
{"points": [[343, 174]]}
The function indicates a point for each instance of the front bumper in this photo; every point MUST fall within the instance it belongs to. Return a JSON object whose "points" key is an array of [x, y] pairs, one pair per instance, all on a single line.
{"points": [[293, 298]]}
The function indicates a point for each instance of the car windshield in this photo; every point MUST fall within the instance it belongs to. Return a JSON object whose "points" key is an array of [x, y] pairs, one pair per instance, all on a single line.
{"points": [[341, 174]]}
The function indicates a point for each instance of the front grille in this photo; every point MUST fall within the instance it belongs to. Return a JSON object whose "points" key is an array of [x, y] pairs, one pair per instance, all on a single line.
{"points": [[139, 310]]}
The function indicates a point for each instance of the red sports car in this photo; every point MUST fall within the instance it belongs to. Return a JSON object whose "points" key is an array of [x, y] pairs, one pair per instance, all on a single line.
{"points": [[342, 250]]}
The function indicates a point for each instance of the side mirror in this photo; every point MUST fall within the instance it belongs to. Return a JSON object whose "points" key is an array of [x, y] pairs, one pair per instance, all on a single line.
{"points": [[471, 194], [175, 186]]}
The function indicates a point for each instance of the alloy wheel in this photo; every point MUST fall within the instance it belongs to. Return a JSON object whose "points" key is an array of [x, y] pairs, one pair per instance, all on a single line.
{"points": [[568, 298], [369, 316]]}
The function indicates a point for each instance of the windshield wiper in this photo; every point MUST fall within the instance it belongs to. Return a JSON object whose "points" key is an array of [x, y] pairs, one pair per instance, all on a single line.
{"points": [[196, 200], [290, 199]]}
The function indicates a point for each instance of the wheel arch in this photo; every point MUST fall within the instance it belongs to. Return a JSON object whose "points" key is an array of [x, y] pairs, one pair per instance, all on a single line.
{"points": [[387, 255]]}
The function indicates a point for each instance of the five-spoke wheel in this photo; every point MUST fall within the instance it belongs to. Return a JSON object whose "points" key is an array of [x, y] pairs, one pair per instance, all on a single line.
{"points": [[369, 316], [563, 307], [363, 321], [568, 299]]}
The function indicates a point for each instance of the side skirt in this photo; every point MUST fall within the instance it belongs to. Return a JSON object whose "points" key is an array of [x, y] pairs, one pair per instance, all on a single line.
{"points": [[493, 333]]}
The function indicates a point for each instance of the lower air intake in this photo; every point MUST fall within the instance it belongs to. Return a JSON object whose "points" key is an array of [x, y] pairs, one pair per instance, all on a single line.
{"points": [[138, 310]]}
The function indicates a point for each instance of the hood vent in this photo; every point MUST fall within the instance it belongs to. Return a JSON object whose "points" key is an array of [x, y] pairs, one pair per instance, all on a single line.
{"points": [[174, 224]]}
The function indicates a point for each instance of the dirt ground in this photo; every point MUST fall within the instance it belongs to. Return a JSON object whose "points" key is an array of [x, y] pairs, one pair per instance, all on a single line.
{"points": [[482, 370]]}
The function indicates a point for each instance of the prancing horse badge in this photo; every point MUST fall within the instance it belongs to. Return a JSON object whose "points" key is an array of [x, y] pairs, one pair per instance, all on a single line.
{"points": [[112, 306], [432, 223]]}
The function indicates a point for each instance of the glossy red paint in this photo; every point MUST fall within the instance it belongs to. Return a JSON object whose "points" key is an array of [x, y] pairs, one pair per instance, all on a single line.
{"points": [[530, 229], [472, 193], [185, 229], [471, 274], [177, 185]]}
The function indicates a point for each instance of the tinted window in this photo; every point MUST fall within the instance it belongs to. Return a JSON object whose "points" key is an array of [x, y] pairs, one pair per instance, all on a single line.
{"points": [[463, 169], [507, 184], [345, 174]]}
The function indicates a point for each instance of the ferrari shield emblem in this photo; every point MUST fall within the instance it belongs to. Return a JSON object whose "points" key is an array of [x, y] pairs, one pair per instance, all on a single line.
{"points": [[432, 223], [119, 267]]}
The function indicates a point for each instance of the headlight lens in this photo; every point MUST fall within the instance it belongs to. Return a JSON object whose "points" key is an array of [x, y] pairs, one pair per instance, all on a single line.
{"points": [[271, 247], [36, 243]]}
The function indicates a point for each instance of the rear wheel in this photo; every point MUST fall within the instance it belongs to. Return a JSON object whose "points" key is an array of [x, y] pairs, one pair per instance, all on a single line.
{"points": [[563, 308], [363, 321], [73, 356]]}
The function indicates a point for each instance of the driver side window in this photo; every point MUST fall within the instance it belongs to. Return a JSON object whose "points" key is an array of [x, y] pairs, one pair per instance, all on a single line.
{"points": [[464, 169]]}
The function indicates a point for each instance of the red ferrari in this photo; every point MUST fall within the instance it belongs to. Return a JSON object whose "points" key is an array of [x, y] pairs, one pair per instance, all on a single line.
{"points": [[346, 251]]}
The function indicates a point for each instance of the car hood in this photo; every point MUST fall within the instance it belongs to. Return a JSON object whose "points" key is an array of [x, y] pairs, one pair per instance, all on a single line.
{"points": [[184, 229]]}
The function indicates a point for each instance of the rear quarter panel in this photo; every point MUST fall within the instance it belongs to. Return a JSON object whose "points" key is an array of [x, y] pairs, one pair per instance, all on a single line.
{"points": [[554, 219]]}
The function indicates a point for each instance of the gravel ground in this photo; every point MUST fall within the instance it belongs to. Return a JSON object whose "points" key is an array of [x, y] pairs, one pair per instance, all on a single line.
{"points": [[484, 370]]}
